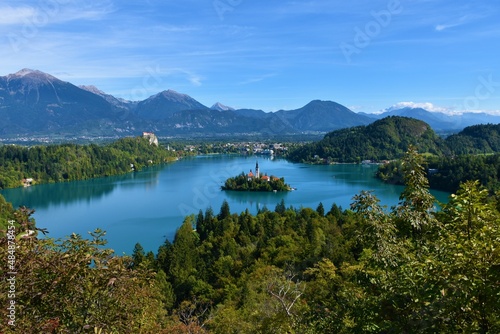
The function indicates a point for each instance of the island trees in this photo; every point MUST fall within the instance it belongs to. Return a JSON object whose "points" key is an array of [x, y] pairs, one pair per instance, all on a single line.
{"points": [[243, 182]]}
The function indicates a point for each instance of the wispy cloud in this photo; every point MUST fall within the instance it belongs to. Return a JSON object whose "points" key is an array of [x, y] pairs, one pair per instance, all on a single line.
{"points": [[466, 19], [44, 14], [15, 15], [193, 78], [90, 14], [442, 27], [257, 79]]}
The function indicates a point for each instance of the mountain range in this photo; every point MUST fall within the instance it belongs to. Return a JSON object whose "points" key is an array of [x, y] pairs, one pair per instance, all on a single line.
{"points": [[34, 103], [439, 121]]}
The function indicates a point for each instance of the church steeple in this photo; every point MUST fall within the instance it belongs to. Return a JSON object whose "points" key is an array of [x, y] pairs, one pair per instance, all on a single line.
{"points": [[257, 171]]}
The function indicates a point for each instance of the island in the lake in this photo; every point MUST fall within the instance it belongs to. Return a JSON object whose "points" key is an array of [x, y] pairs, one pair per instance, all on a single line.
{"points": [[256, 182]]}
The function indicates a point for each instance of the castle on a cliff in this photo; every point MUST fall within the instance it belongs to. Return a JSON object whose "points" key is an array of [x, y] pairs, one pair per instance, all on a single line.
{"points": [[152, 138]]}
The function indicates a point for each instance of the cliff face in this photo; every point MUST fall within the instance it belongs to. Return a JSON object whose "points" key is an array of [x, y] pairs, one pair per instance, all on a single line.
{"points": [[153, 140]]}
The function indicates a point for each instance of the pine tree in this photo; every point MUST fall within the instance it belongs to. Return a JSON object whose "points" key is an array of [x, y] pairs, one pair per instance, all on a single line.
{"points": [[320, 209], [224, 211], [138, 255]]}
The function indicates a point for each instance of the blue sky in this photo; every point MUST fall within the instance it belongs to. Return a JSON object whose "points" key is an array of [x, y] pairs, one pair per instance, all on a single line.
{"points": [[365, 54]]}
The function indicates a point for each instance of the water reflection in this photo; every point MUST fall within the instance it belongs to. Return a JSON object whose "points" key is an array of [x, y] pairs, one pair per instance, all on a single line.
{"points": [[264, 199], [85, 191]]}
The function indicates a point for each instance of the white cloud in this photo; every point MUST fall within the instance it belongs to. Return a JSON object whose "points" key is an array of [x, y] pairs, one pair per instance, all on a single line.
{"points": [[460, 21], [424, 105], [14, 16], [257, 79], [479, 111], [441, 27], [194, 79], [433, 108], [43, 14]]}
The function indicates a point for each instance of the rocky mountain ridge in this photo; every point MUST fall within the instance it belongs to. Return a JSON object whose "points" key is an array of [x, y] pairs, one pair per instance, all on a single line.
{"points": [[34, 103]]}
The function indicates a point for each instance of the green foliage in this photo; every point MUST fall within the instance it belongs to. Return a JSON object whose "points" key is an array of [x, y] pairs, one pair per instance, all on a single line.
{"points": [[69, 162], [243, 182], [408, 269], [476, 139], [415, 211], [362, 270], [6, 214], [75, 285], [389, 138], [376, 232], [320, 209], [450, 172], [447, 173], [385, 139], [470, 261], [138, 255]]}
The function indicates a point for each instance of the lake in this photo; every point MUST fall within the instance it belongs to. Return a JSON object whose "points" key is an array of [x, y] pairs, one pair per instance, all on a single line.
{"points": [[150, 205]]}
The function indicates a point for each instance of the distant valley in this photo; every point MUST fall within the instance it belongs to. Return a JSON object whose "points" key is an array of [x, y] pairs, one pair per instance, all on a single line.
{"points": [[37, 104]]}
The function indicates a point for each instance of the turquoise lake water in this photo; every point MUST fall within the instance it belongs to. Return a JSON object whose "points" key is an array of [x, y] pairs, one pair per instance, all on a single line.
{"points": [[149, 206]]}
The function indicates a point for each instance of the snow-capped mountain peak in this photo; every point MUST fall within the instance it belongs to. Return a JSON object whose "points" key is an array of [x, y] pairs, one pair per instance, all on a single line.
{"points": [[34, 75], [92, 89], [26, 71], [221, 107]]}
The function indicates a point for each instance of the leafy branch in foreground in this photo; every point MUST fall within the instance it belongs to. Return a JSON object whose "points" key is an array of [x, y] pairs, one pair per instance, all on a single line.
{"points": [[76, 285]]}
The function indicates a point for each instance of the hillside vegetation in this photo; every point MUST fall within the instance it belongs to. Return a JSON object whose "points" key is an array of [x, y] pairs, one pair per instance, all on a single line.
{"points": [[385, 139], [448, 172], [70, 162], [476, 139], [366, 269], [390, 137], [473, 154]]}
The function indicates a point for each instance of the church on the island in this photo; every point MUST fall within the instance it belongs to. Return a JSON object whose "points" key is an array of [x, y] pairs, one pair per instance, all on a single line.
{"points": [[257, 175], [251, 175]]}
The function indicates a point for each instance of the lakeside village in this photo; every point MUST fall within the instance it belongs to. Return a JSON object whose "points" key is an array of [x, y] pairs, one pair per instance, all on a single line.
{"points": [[256, 182]]}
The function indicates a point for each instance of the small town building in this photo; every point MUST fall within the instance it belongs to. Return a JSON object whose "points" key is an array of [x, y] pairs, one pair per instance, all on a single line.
{"points": [[27, 182]]}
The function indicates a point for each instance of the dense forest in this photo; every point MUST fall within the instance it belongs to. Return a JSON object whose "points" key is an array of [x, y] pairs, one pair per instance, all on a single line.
{"points": [[476, 139], [69, 162], [390, 137], [365, 269], [243, 182], [385, 139], [448, 172]]}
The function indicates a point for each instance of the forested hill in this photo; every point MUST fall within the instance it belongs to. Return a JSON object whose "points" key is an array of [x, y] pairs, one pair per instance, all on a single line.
{"points": [[476, 139], [70, 162], [474, 154], [384, 139]]}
